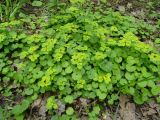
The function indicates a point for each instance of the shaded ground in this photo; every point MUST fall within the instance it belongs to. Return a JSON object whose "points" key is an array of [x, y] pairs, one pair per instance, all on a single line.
{"points": [[125, 110]]}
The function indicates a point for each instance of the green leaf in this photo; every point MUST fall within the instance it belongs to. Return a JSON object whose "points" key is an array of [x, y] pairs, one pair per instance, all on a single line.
{"points": [[68, 99], [51, 103], [151, 83], [114, 96], [28, 91], [123, 81], [106, 65], [92, 95], [77, 1], [88, 87], [129, 76], [92, 74], [118, 59], [138, 99], [131, 60], [157, 41], [58, 68], [65, 64], [155, 90], [131, 90], [103, 87], [130, 68], [102, 96], [18, 109], [2, 113], [68, 70], [142, 84], [76, 75], [94, 85], [110, 101], [70, 111], [37, 3], [13, 34], [158, 99], [19, 117], [103, 1], [96, 109]]}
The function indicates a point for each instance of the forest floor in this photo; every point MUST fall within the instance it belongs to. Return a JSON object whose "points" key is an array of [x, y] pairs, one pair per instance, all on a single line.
{"points": [[126, 108]]}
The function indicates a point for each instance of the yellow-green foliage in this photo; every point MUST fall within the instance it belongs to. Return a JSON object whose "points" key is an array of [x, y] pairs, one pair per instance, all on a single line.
{"points": [[79, 53]]}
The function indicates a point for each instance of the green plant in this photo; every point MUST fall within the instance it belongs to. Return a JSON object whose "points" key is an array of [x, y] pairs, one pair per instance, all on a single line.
{"points": [[19, 109], [70, 111], [68, 99], [93, 115], [78, 53], [2, 113], [51, 103], [37, 3]]}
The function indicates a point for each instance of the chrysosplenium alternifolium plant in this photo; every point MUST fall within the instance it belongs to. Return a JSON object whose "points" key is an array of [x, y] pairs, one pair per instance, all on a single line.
{"points": [[79, 54]]}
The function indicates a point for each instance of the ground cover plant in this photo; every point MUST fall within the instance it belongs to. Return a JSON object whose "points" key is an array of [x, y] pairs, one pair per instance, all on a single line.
{"points": [[76, 54]]}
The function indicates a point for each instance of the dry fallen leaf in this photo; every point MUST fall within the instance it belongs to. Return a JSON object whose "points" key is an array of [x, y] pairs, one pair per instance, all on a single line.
{"points": [[61, 107], [84, 102], [36, 103], [43, 109], [153, 104], [149, 112], [127, 109]]}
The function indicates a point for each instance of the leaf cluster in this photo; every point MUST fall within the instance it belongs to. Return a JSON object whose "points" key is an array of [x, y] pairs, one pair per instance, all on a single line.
{"points": [[78, 53]]}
